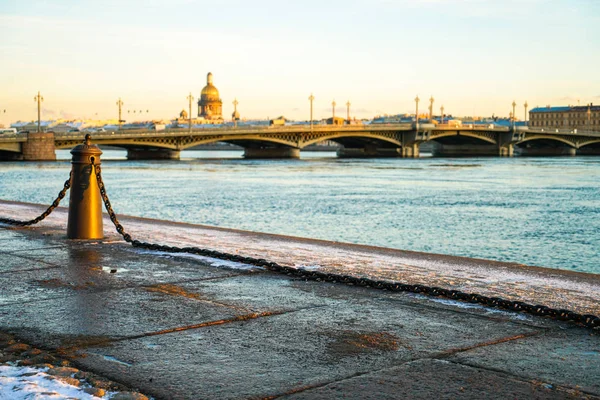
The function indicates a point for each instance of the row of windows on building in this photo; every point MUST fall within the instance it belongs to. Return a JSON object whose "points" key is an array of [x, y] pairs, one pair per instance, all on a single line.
{"points": [[565, 123], [563, 115]]}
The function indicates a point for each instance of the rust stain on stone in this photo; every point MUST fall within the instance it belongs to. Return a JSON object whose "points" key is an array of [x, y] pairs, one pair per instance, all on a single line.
{"points": [[352, 343], [173, 290]]}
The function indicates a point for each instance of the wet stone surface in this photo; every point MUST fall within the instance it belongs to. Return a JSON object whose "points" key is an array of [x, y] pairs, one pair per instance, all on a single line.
{"points": [[570, 358], [435, 379], [273, 355], [181, 327]]}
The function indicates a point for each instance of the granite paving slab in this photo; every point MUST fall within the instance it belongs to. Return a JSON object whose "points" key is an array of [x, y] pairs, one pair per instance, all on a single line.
{"points": [[277, 354], [435, 379], [566, 357]]}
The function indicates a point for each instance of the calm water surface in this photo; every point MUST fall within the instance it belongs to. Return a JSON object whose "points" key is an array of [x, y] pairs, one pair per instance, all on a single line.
{"points": [[537, 211]]}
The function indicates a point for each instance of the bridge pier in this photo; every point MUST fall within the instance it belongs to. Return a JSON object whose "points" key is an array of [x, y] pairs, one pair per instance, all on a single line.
{"points": [[39, 147], [369, 152], [411, 151], [548, 151], [507, 151], [275, 152], [150, 153]]}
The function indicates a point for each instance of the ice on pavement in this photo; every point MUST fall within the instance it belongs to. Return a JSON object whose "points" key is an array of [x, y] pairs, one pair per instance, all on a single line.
{"points": [[26, 383]]}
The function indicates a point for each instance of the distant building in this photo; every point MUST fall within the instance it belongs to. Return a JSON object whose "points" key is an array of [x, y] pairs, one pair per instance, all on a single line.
{"points": [[210, 106], [566, 117], [278, 121], [335, 121]]}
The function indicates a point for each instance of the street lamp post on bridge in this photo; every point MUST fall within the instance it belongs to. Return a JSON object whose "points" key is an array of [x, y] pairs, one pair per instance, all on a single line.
{"points": [[235, 114], [311, 98], [348, 104], [442, 113], [514, 116], [431, 100], [526, 105], [120, 105], [333, 104], [190, 99], [417, 113], [39, 100]]}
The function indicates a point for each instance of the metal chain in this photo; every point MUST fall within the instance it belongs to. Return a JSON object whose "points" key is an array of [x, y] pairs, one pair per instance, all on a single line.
{"points": [[49, 210], [589, 320]]}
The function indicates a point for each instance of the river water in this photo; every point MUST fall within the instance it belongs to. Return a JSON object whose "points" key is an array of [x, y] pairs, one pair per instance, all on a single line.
{"points": [[536, 211]]}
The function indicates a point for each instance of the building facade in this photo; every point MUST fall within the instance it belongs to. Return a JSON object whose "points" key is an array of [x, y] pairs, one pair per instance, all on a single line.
{"points": [[566, 117], [210, 106]]}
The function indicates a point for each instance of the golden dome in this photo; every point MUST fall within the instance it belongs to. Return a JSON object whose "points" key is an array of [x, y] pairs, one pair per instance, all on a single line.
{"points": [[210, 92]]}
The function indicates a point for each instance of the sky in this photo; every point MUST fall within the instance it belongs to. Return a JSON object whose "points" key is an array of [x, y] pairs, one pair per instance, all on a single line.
{"points": [[473, 56]]}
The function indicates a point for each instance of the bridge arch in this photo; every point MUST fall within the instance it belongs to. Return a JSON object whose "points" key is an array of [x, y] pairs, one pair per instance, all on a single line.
{"points": [[480, 136], [548, 138], [589, 143], [360, 136], [243, 141]]}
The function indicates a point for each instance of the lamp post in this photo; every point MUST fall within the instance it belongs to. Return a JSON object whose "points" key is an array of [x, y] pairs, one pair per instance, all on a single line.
{"points": [[235, 103], [39, 100], [190, 99], [120, 105], [525, 105], [348, 104], [514, 119], [442, 110], [431, 100], [311, 98], [417, 113], [333, 104]]}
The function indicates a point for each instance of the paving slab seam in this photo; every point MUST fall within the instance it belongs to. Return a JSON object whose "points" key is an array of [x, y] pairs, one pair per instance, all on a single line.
{"points": [[562, 388], [301, 389], [158, 289], [522, 378], [239, 318], [110, 289], [448, 353], [494, 314]]}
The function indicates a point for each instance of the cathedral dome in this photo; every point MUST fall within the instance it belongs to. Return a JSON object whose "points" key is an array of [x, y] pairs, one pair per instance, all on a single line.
{"points": [[210, 105], [209, 92]]}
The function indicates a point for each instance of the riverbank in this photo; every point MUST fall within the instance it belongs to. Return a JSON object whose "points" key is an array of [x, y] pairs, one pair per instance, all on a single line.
{"points": [[177, 326]]}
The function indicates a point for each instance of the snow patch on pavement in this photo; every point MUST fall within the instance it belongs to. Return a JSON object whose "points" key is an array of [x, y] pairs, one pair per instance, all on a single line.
{"points": [[26, 383]]}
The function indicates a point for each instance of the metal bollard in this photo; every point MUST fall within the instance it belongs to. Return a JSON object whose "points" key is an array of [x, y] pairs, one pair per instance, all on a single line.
{"points": [[85, 205]]}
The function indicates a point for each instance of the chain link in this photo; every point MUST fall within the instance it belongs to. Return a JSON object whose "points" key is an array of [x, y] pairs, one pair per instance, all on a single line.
{"points": [[591, 321], [48, 211]]}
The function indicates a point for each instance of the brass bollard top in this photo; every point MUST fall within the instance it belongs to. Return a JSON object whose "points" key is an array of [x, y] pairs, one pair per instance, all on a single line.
{"points": [[86, 153]]}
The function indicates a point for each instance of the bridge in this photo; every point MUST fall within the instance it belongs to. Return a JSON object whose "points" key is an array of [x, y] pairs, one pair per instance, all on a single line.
{"points": [[375, 140]]}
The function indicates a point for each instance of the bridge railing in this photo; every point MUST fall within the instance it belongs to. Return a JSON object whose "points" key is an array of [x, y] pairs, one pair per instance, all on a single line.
{"points": [[562, 131], [235, 130]]}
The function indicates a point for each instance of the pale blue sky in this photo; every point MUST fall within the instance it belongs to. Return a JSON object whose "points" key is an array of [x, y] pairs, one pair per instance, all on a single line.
{"points": [[473, 56]]}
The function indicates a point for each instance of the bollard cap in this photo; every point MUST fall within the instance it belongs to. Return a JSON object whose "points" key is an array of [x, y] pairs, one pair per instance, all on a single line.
{"points": [[85, 151]]}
